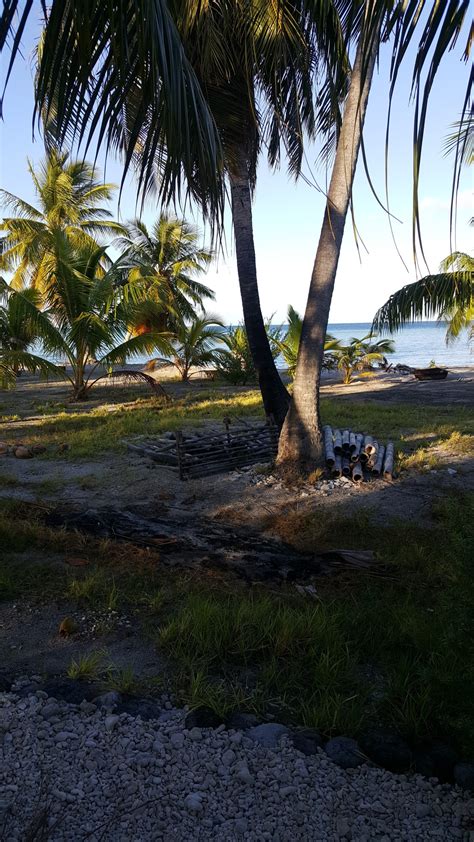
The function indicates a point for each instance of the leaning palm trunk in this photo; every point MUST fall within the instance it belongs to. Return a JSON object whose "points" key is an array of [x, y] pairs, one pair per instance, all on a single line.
{"points": [[301, 437], [275, 396]]}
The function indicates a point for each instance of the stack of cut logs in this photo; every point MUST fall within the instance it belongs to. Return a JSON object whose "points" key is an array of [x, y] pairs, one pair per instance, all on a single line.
{"points": [[349, 454]]}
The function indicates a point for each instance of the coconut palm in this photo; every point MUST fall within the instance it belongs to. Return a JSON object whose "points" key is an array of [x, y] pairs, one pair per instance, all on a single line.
{"points": [[85, 315], [290, 344], [254, 63], [360, 355], [236, 364], [370, 24], [448, 295], [165, 262], [99, 60], [193, 345], [16, 332], [19, 316], [70, 199]]}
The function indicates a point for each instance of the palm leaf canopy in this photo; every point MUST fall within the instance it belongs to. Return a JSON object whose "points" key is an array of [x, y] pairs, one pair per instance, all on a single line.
{"points": [[433, 295], [102, 62], [163, 263], [70, 199], [170, 84]]}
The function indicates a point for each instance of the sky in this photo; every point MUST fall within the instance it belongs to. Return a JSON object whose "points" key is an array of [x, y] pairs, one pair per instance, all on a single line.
{"points": [[288, 216]]}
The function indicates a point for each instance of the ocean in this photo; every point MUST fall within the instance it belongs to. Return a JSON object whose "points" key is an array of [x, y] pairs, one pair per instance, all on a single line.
{"points": [[416, 344]]}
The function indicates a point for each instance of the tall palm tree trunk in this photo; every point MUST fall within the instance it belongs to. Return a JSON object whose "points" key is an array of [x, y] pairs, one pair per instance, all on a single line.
{"points": [[300, 444], [275, 397]]}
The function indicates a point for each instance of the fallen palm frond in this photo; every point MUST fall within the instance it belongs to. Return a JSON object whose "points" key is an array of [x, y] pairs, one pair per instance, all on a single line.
{"points": [[134, 376]]}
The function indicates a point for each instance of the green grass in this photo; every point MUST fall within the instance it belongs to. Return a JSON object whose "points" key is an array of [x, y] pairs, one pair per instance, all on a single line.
{"points": [[102, 429], [123, 680], [8, 481], [395, 648], [86, 667]]}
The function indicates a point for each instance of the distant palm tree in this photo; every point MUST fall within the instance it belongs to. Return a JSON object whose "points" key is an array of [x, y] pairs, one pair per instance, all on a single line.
{"points": [[164, 263], [85, 317], [360, 354], [291, 342], [19, 316], [193, 345], [70, 198], [448, 295], [236, 364]]}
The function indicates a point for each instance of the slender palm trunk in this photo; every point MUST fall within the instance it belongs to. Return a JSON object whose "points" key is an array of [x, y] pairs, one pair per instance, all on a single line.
{"points": [[275, 397], [301, 438], [80, 389]]}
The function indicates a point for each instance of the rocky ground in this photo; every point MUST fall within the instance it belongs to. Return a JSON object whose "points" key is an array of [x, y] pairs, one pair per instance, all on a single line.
{"points": [[82, 771]]}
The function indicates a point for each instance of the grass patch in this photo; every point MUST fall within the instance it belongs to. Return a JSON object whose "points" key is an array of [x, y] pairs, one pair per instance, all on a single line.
{"points": [[86, 667], [50, 485], [101, 429], [422, 460], [395, 649], [8, 481], [112, 574], [123, 680], [408, 426], [459, 444], [49, 407]]}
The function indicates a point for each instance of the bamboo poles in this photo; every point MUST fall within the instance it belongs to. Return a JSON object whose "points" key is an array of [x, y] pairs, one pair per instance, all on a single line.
{"points": [[350, 454]]}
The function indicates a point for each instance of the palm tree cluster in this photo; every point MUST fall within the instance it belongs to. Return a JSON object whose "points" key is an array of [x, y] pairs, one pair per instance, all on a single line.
{"points": [[68, 299], [190, 94]]}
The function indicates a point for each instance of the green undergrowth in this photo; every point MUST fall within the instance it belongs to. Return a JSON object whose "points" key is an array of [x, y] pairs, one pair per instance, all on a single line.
{"points": [[392, 645], [394, 648]]}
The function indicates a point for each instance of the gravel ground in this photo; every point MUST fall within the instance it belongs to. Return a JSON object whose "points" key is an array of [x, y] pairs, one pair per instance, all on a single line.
{"points": [[99, 776]]}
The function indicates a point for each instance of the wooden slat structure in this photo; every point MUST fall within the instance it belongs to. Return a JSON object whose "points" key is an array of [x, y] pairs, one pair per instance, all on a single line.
{"points": [[200, 455]]}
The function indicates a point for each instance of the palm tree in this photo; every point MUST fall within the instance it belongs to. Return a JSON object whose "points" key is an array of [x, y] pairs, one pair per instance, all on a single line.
{"points": [[18, 331], [360, 355], [103, 62], [301, 438], [85, 315], [99, 61], [70, 199], [290, 344], [165, 262], [449, 295], [137, 76], [193, 345], [236, 364], [255, 63]]}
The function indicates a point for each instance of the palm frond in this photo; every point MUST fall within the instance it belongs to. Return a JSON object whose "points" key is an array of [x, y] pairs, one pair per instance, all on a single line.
{"points": [[11, 361], [426, 298], [136, 346]]}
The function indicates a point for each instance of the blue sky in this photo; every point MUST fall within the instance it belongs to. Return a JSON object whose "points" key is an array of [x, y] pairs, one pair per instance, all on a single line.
{"points": [[287, 216]]}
